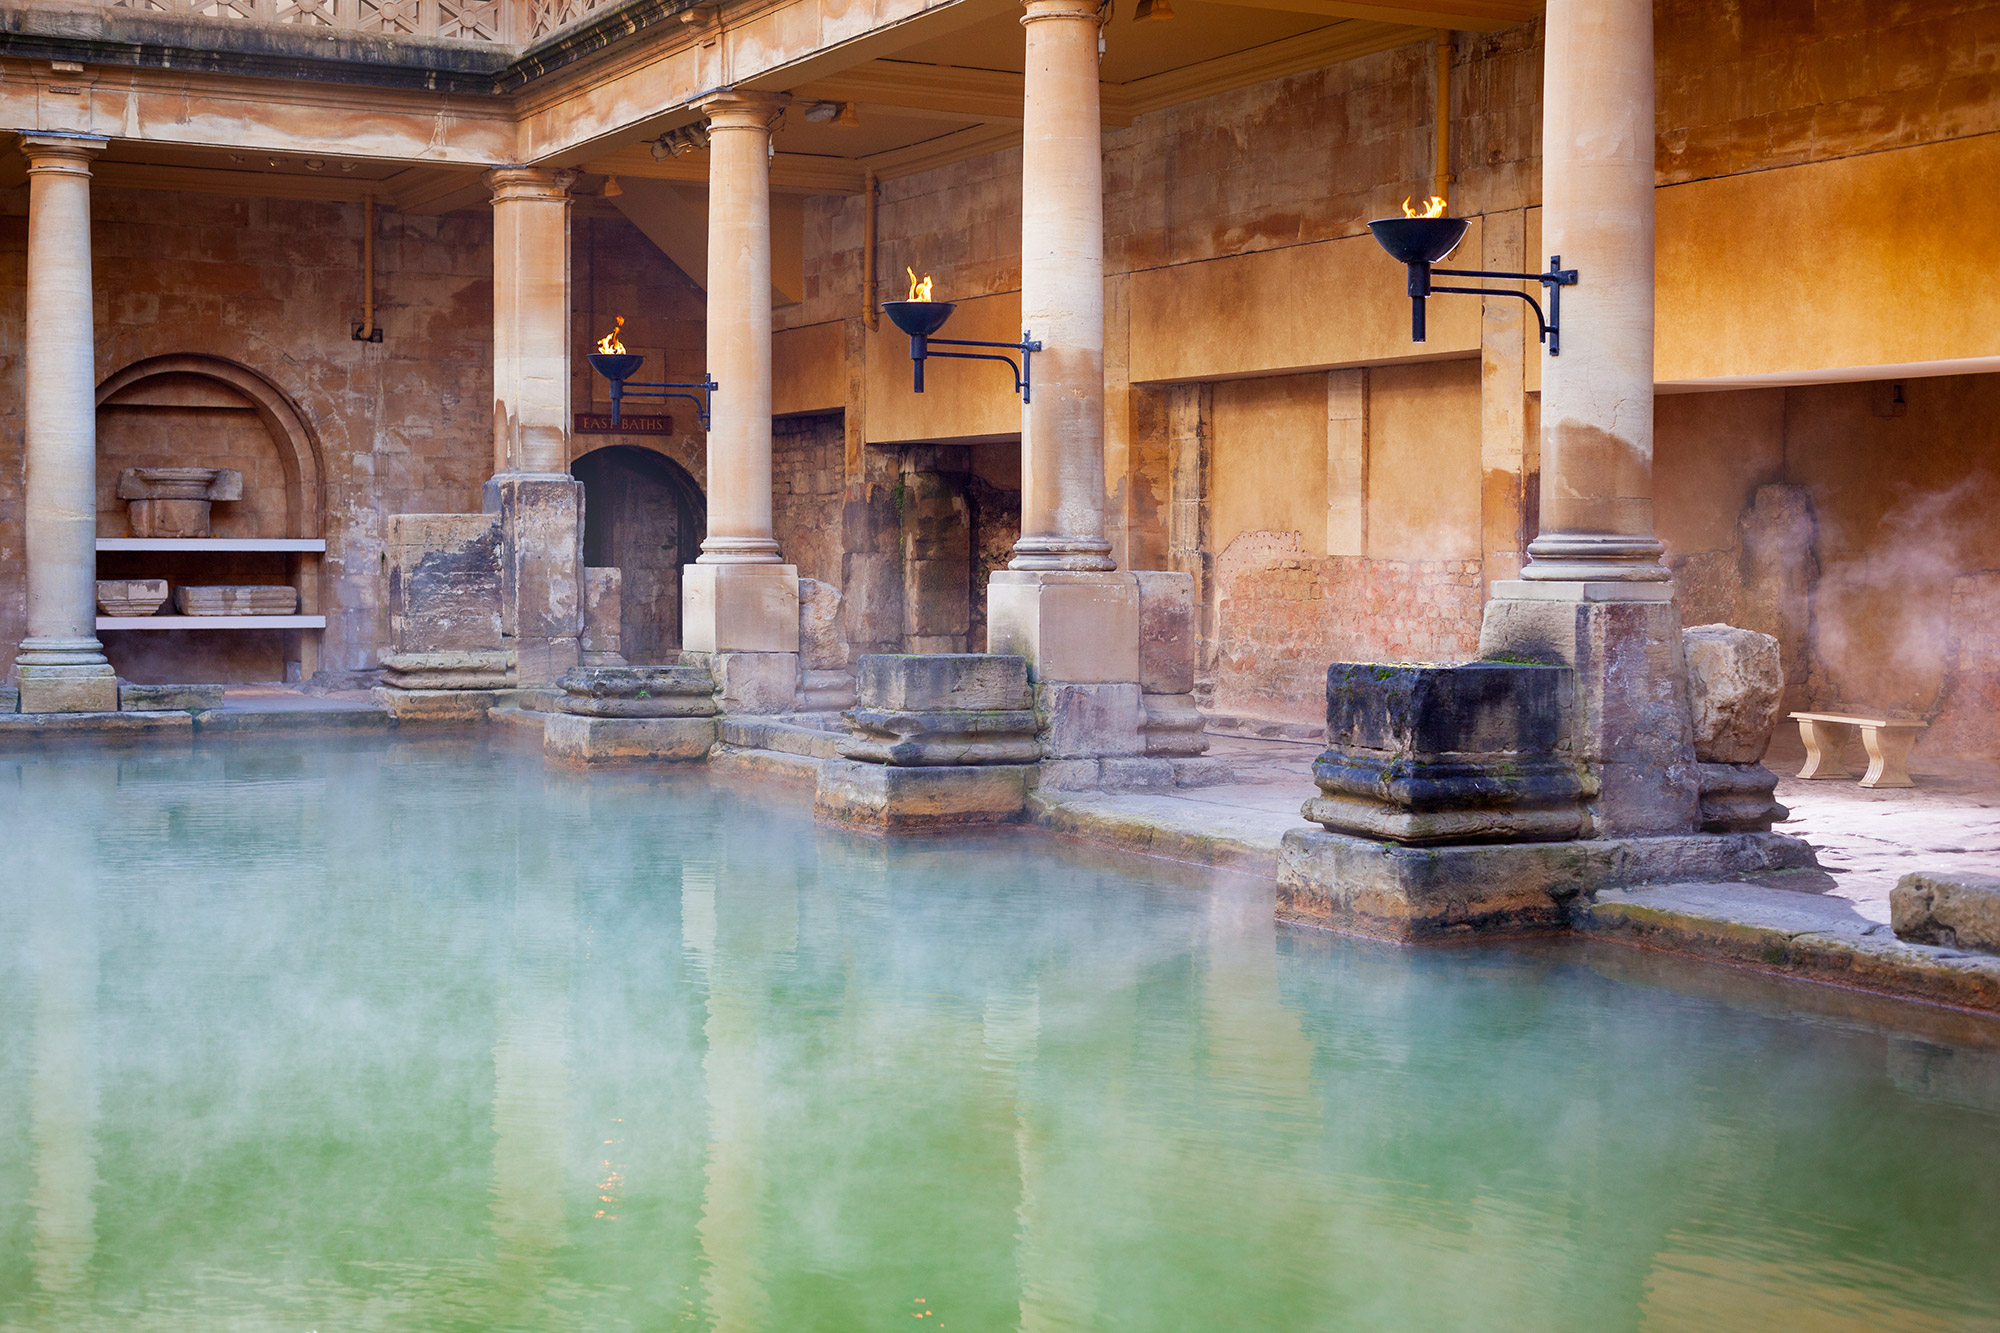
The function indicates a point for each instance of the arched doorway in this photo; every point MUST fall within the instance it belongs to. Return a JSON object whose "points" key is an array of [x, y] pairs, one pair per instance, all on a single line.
{"points": [[644, 515]]}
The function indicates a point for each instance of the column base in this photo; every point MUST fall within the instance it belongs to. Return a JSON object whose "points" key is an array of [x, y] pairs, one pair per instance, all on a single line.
{"points": [[1072, 626], [740, 608], [68, 689], [1630, 723]]}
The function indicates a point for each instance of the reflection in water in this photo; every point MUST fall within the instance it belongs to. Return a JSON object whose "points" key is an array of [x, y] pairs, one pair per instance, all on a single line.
{"points": [[62, 946], [416, 1036]]}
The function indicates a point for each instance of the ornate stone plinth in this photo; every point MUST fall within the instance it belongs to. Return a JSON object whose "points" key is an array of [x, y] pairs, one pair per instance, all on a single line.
{"points": [[631, 714], [936, 741], [175, 501]]}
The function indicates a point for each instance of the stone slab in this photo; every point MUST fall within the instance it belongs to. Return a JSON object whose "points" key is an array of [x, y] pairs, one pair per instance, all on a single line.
{"points": [[569, 739], [1168, 631], [939, 682], [162, 698], [436, 705], [770, 733], [26, 726], [292, 720], [890, 799], [1409, 893]]}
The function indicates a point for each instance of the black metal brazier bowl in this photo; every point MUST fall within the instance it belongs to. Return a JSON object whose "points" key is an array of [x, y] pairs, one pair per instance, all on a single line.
{"points": [[919, 319], [1419, 240], [616, 366]]}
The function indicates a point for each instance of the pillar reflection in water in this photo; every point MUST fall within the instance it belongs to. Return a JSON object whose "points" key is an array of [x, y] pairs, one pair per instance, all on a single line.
{"points": [[58, 869], [532, 1047]]}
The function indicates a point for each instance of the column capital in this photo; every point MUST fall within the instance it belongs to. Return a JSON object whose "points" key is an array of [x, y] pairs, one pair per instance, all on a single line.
{"points": [[742, 109], [513, 183], [55, 151], [1079, 10]]}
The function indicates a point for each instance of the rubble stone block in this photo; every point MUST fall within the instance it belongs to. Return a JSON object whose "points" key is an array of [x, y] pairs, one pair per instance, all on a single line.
{"points": [[1167, 631], [568, 738], [1173, 726], [1736, 687], [1089, 721], [826, 691], [1738, 798], [941, 682], [888, 798], [1956, 910]]}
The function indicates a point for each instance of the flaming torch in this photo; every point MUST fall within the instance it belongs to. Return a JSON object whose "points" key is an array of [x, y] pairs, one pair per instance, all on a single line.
{"points": [[921, 318], [1422, 237]]}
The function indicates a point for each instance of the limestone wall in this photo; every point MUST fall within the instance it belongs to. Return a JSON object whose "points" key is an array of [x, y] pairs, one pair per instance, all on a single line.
{"points": [[274, 286]]}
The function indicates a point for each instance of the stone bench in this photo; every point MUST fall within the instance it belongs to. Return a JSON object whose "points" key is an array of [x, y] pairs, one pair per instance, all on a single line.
{"points": [[1887, 740]]}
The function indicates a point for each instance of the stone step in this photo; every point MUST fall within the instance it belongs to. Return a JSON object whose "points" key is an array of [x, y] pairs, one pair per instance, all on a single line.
{"points": [[752, 732]]}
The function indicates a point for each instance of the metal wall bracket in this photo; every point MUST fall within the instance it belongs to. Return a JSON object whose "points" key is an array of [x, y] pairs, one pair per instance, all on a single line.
{"points": [[920, 351], [1552, 282], [701, 394]]}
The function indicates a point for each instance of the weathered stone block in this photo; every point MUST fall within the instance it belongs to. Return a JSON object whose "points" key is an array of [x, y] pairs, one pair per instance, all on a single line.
{"points": [[68, 689], [826, 691], [949, 737], [436, 706], [822, 646], [1167, 631], [484, 669], [1630, 725], [572, 739], [10, 699], [444, 582], [1089, 721], [889, 798], [1173, 726], [1447, 754], [637, 691], [541, 561], [740, 608], [751, 682], [167, 698], [1736, 687], [1075, 627], [603, 616], [1952, 909], [941, 682]]}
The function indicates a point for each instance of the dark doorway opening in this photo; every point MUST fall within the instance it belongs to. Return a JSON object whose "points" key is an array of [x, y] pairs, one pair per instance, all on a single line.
{"points": [[644, 515]]}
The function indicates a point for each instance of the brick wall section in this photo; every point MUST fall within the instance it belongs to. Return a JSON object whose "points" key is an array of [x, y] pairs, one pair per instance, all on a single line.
{"points": [[1283, 615], [806, 459], [275, 285], [1747, 85]]}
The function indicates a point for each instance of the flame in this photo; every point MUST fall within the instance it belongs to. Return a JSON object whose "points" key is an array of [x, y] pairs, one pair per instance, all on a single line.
{"points": [[609, 342], [1433, 208], [919, 291]]}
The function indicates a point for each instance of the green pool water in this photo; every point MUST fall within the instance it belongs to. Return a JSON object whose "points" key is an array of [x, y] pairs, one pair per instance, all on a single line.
{"points": [[422, 1036]]}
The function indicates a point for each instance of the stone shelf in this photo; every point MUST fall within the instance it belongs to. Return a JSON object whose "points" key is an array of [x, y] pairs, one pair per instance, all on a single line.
{"points": [[314, 544], [211, 622]]}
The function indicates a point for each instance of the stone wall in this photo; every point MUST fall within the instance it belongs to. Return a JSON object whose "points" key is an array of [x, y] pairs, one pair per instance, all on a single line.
{"points": [[806, 492], [274, 286]]}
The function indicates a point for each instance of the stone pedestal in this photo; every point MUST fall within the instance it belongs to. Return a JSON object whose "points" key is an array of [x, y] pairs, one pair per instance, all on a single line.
{"points": [[742, 608], [938, 741], [1079, 627], [175, 501], [1424, 755], [1630, 727], [631, 714], [1736, 686]]}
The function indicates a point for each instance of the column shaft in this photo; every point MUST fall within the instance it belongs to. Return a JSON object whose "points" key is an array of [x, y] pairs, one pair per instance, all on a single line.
{"points": [[739, 329], [531, 319], [1062, 292], [1597, 213], [61, 660]]}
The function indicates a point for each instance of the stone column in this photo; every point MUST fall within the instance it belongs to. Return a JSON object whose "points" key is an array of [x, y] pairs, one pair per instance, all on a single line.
{"points": [[1597, 213], [61, 662], [539, 504], [740, 600], [1594, 594], [1062, 292], [1059, 603]]}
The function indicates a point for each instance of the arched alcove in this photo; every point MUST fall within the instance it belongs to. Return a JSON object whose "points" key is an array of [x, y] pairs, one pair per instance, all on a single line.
{"points": [[189, 410], [644, 515]]}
